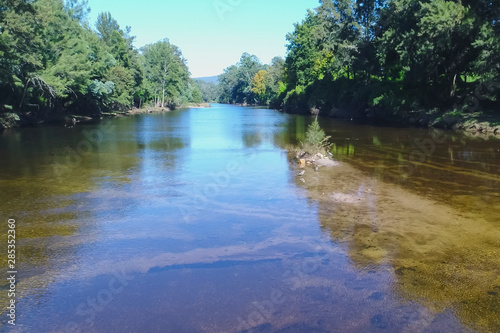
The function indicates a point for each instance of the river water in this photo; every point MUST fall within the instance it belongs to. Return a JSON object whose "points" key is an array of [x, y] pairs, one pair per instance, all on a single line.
{"points": [[197, 221]]}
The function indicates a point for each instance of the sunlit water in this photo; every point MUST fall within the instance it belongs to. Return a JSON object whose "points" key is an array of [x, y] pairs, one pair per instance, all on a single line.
{"points": [[196, 221]]}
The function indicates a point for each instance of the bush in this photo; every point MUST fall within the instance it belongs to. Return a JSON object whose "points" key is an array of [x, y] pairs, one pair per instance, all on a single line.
{"points": [[316, 141]]}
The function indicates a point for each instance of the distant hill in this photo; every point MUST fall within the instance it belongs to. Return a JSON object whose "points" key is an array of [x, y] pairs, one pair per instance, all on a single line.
{"points": [[209, 79]]}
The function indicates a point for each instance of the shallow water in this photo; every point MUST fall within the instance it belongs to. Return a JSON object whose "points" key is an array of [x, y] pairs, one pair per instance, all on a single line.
{"points": [[195, 221]]}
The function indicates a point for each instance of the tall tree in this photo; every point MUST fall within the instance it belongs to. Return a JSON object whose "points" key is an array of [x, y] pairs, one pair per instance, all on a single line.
{"points": [[236, 81], [19, 45], [166, 69], [259, 87], [105, 26]]}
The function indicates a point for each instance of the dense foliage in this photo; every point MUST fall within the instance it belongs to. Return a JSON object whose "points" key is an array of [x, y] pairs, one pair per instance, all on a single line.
{"points": [[52, 61], [209, 91], [347, 58], [394, 56], [355, 57], [251, 82]]}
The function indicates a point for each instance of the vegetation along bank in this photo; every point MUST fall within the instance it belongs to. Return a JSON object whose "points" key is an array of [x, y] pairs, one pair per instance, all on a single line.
{"points": [[54, 66], [426, 63], [430, 62]]}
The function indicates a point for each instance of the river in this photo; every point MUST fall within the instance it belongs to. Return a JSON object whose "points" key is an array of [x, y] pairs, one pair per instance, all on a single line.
{"points": [[197, 221]]}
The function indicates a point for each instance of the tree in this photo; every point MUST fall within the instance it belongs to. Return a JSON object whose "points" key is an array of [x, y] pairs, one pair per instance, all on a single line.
{"points": [[236, 81], [398, 55], [259, 86], [274, 80], [209, 90], [51, 60], [429, 44], [78, 10], [167, 71], [123, 83], [193, 93], [19, 43], [105, 26], [128, 71], [228, 82]]}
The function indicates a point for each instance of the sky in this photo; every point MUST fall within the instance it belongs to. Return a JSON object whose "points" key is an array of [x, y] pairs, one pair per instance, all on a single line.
{"points": [[212, 34]]}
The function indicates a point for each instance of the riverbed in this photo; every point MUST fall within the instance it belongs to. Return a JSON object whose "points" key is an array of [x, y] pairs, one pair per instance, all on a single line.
{"points": [[197, 220]]}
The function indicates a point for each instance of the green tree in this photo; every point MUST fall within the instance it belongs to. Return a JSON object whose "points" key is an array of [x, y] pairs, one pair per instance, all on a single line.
{"points": [[19, 44], [316, 140], [399, 55], [259, 87], [127, 73], [228, 82], [237, 81], [209, 90], [123, 85], [105, 26], [429, 45], [193, 93], [167, 71], [274, 80]]}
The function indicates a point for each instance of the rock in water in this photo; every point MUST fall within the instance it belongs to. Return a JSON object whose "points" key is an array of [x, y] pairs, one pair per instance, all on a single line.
{"points": [[326, 162]]}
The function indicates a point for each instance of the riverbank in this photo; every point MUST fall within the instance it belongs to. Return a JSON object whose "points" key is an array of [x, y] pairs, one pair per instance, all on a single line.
{"points": [[474, 123], [29, 119]]}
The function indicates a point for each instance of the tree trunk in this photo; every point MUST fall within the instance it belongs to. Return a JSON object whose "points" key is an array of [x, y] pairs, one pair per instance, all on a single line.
{"points": [[163, 97], [24, 94], [453, 86]]}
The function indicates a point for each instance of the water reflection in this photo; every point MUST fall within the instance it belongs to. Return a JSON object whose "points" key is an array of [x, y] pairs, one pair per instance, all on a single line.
{"points": [[440, 258], [450, 167], [443, 244], [195, 221]]}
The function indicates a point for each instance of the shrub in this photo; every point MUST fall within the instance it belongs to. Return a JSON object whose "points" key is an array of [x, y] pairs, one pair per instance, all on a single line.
{"points": [[316, 141]]}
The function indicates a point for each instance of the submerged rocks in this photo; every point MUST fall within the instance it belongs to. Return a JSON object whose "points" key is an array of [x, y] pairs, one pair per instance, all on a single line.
{"points": [[318, 160], [326, 162], [339, 197]]}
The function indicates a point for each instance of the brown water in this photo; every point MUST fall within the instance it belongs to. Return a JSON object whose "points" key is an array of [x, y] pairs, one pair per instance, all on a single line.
{"points": [[196, 221]]}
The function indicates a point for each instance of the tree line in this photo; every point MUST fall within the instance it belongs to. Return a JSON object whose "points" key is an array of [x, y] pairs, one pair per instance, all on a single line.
{"points": [[53, 61], [388, 56], [250, 81]]}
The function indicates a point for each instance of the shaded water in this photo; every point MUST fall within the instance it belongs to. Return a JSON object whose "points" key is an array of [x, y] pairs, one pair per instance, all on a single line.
{"points": [[195, 221]]}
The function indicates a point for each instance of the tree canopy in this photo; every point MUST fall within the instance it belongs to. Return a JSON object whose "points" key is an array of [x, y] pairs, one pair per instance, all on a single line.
{"points": [[392, 57], [52, 60], [250, 81], [166, 71]]}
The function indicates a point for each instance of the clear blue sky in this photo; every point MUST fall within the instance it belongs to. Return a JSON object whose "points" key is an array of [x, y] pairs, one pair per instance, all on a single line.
{"points": [[212, 34]]}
